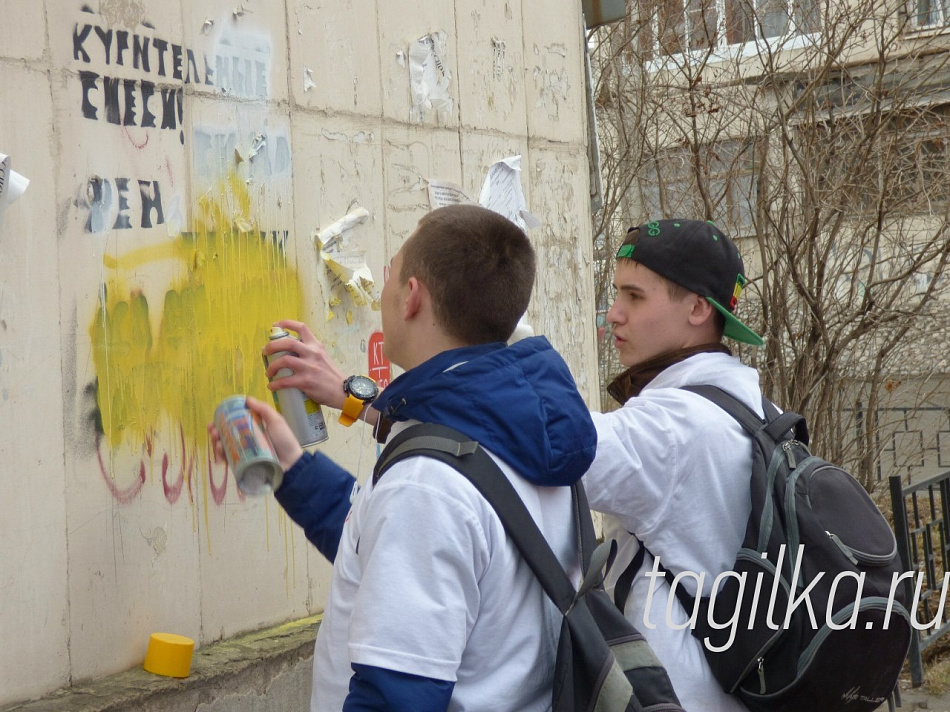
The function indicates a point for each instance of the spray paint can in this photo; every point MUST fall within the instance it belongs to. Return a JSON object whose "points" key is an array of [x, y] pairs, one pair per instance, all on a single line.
{"points": [[304, 416], [247, 448]]}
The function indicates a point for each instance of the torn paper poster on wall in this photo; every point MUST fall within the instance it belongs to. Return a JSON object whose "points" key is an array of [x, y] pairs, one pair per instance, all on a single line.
{"points": [[429, 77], [346, 263], [12, 184], [502, 193], [442, 193]]}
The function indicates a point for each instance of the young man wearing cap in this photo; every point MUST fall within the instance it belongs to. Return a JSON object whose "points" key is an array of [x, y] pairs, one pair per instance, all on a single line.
{"points": [[672, 470], [431, 606]]}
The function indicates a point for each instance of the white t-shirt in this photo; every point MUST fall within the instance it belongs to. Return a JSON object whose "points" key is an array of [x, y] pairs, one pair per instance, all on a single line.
{"points": [[674, 469], [426, 582]]}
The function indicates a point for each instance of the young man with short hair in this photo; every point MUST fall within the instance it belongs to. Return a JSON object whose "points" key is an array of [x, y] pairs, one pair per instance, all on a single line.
{"points": [[431, 606], [672, 469]]}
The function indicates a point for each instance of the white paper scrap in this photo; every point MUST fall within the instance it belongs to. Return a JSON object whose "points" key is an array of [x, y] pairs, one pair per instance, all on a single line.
{"points": [[344, 262], [12, 184], [325, 237], [442, 193], [256, 145], [502, 193], [429, 77]]}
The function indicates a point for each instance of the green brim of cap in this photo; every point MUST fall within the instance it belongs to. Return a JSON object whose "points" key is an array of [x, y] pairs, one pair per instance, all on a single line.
{"points": [[735, 329]]}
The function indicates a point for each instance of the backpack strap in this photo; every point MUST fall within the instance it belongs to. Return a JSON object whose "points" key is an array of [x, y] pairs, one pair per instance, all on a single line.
{"points": [[625, 580], [775, 424], [465, 455]]}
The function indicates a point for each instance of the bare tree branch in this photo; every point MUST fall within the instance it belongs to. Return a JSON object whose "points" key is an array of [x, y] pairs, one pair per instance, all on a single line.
{"points": [[818, 136]]}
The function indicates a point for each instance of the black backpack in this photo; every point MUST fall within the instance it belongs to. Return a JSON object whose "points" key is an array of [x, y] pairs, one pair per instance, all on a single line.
{"points": [[850, 656], [602, 662]]}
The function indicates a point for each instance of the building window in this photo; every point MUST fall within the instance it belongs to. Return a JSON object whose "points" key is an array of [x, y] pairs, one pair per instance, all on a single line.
{"points": [[928, 14], [902, 166], [669, 188], [679, 26]]}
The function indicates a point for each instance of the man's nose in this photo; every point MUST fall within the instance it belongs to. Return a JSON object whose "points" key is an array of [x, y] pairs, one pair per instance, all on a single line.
{"points": [[613, 314]]}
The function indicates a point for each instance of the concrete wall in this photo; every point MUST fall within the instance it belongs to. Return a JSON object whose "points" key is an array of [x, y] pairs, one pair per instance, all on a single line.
{"points": [[181, 155], [269, 670]]}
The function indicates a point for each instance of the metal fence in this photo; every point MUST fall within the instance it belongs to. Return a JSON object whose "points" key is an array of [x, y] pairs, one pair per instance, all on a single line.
{"points": [[922, 528], [917, 443]]}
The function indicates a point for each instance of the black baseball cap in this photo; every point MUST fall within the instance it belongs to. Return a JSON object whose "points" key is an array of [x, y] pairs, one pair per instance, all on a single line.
{"points": [[699, 257]]}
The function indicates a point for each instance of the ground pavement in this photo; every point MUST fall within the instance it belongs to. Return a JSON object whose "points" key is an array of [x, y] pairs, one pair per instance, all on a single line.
{"points": [[920, 699]]}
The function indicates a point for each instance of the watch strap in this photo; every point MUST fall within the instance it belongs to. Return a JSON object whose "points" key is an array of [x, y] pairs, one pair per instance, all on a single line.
{"points": [[352, 407]]}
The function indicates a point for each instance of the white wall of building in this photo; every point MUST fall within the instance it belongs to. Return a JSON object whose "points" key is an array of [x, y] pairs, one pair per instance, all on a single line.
{"points": [[156, 137]]}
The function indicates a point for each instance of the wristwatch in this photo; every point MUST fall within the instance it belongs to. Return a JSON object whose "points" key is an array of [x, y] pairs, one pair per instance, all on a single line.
{"points": [[359, 390]]}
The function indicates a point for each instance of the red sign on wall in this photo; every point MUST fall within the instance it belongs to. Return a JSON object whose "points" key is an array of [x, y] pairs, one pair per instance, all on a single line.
{"points": [[379, 369]]}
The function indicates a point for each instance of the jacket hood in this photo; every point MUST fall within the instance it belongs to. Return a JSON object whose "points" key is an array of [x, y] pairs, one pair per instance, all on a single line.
{"points": [[520, 402]]}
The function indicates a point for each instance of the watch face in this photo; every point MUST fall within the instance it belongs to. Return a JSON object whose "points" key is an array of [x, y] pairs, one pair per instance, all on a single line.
{"points": [[362, 387]]}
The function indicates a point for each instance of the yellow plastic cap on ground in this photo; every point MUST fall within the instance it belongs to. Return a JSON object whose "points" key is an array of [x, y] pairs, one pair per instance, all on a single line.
{"points": [[169, 655]]}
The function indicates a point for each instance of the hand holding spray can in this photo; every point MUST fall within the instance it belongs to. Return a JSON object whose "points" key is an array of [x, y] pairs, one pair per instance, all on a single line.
{"points": [[247, 448], [304, 416]]}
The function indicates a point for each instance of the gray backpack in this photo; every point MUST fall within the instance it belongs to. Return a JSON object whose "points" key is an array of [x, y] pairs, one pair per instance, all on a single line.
{"points": [[808, 637], [603, 663]]}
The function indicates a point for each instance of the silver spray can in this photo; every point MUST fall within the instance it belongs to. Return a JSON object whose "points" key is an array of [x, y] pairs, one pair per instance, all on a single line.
{"points": [[247, 448], [304, 416]]}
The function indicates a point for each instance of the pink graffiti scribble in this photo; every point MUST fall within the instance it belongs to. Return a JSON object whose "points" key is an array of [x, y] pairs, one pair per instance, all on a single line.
{"points": [[189, 470], [122, 496], [168, 169], [217, 493], [173, 491], [139, 146]]}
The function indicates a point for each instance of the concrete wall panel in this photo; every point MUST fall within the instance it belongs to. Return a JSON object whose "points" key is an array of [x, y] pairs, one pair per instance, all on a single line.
{"points": [[482, 150], [491, 66], [256, 570], [34, 606], [412, 157], [179, 169], [26, 38], [338, 171], [335, 62], [245, 45], [133, 560], [431, 28], [133, 571], [554, 66], [564, 287]]}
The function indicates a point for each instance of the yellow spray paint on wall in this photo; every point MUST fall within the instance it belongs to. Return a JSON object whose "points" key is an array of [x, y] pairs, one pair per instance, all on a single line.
{"points": [[234, 283]]}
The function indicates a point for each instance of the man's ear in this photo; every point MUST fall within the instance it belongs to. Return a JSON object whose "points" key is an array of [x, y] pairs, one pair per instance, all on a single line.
{"points": [[701, 310], [415, 296]]}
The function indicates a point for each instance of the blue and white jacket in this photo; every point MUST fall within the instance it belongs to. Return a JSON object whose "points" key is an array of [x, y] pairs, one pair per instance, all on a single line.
{"points": [[520, 402]]}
